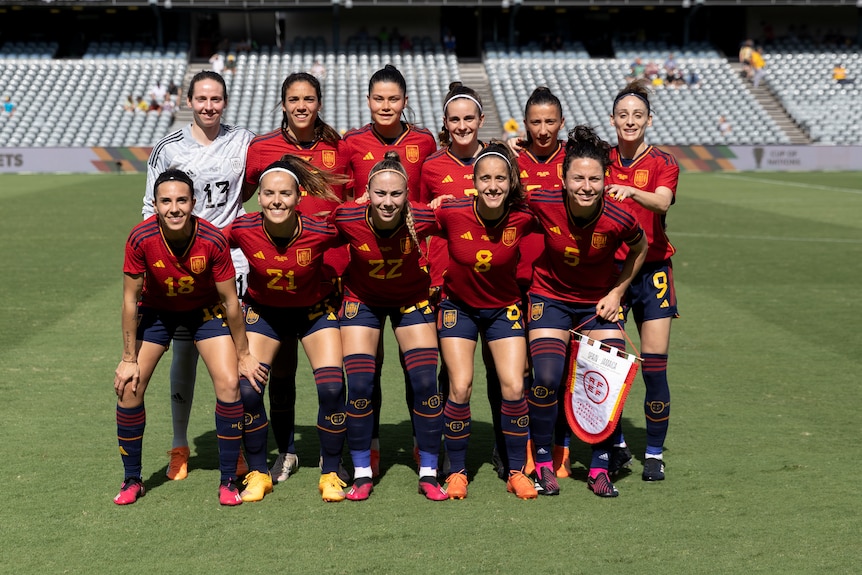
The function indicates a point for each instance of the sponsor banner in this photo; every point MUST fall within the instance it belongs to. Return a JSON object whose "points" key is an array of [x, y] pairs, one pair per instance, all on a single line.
{"points": [[74, 160], [766, 158]]}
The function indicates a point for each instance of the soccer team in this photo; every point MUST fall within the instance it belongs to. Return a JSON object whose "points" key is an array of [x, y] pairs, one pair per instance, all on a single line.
{"points": [[513, 243]]}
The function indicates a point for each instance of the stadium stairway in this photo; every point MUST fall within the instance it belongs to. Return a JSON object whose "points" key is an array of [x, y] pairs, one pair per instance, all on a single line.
{"points": [[773, 107], [473, 75]]}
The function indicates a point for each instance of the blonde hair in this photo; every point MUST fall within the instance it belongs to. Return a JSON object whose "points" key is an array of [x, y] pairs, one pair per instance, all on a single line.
{"points": [[391, 162], [314, 181]]}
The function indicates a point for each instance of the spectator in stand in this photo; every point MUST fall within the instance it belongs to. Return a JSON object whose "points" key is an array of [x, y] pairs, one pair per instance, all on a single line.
{"points": [[745, 58], [839, 74], [448, 40], [9, 105], [217, 63], [724, 126], [129, 104], [230, 65], [637, 69], [173, 92], [318, 70], [651, 70], [691, 78], [670, 66], [158, 93], [758, 64], [141, 104]]}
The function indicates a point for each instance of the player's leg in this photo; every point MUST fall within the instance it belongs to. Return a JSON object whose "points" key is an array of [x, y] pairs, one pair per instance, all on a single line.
{"points": [[655, 341], [458, 353], [184, 365], [282, 408]]}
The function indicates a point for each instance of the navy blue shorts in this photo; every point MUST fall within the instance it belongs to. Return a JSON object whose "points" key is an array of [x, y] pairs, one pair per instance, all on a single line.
{"points": [[287, 323], [158, 326], [358, 314], [547, 313], [652, 295], [457, 319]]}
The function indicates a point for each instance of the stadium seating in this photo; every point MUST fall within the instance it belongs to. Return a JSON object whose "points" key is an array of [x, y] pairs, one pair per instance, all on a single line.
{"points": [[586, 87], [800, 74], [255, 86]]}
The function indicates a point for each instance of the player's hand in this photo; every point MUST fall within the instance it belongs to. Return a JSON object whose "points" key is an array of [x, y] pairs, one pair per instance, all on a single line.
{"points": [[253, 371], [608, 307], [618, 192], [127, 373], [434, 295], [362, 199], [435, 203], [516, 145]]}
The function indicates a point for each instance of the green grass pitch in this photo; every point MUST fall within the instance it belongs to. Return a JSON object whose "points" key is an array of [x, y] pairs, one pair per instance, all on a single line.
{"points": [[762, 457]]}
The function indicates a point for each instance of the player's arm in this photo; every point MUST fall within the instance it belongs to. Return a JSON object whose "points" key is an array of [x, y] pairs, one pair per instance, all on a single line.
{"points": [[609, 306], [658, 201], [248, 364], [248, 190], [127, 371]]}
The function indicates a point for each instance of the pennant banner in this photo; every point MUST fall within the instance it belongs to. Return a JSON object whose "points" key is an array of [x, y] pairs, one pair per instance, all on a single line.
{"points": [[598, 382]]}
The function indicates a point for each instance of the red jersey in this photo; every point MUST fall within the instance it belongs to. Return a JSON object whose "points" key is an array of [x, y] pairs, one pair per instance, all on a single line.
{"points": [[364, 148], [179, 282], [651, 169], [284, 276], [577, 264], [443, 173], [482, 258], [536, 174], [384, 269]]}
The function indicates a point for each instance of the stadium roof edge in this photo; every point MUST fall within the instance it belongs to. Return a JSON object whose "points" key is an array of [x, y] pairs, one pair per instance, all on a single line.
{"points": [[288, 4]]}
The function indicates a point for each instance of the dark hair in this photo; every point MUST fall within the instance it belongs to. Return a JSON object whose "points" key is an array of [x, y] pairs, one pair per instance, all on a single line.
{"points": [[388, 73], [392, 162], [495, 147], [314, 181], [584, 142], [322, 130], [541, 96], [455, 89], [637, 88], [173, 175], [207, 75]]}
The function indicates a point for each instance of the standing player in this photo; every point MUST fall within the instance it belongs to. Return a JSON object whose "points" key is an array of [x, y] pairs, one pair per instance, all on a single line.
{"points": [[366, 146], [179, 268], [303, 134], [644, 179], [481, 296], [290, 299], [576, 284], [384, 280], [213, 154]]}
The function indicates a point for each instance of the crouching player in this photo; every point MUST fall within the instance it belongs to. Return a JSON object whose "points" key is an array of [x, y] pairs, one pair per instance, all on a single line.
{"points": [[179, 267]]}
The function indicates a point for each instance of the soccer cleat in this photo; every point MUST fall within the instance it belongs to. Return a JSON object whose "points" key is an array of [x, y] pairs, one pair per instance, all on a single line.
{"points": [[130, 491], [257, 485], [375, 462], [178, 467], [241, 465], [521, 486], [497, 463], [621, 457], [342, 473], [285, 465], [330, 487], [546, 482], [653, 469], [430, 488], [228, 494], [562, 465], [530, 467], [601, 485], [456, 485], [361, 490]]}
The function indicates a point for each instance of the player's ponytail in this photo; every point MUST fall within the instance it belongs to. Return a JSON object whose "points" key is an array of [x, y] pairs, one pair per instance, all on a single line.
{"points": [[313, 181]]}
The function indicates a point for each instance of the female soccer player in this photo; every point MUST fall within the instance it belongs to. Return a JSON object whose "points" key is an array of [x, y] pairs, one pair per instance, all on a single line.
{"points": [[576, 284], [481, 296], [289, 299], [303, 134], [364, 147], [384, 279], [179, 267], [644, 179], [215, 154]]}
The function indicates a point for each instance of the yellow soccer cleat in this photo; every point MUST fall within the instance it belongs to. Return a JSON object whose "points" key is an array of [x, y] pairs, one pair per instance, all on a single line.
{"points": [[257, 485], [331, 487]]}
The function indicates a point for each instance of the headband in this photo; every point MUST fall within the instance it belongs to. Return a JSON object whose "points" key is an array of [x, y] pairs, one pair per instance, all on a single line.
{"points": [[393, 170], [466, 96], [280, 169], [491, 153], [636, 95]]}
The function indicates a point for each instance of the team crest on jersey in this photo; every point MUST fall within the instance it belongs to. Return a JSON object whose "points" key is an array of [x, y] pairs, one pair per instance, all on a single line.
{"points": [[537, 310], [328, 158], [509, 236], [641, 178], [198, 264], [406, 245], [351, 308], [450, 318], [236, 164], [251, 316], [599, 241], [412, 151], [303, 256]]}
